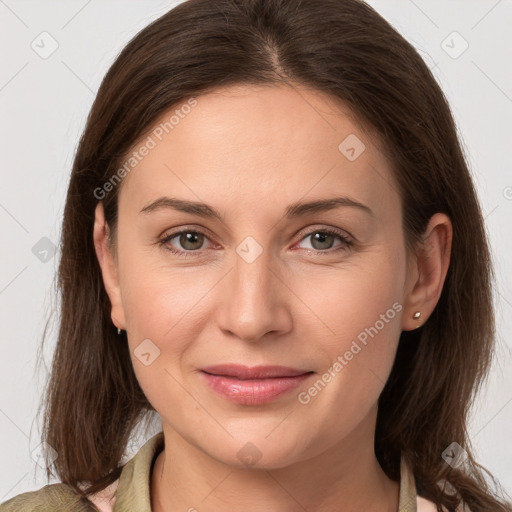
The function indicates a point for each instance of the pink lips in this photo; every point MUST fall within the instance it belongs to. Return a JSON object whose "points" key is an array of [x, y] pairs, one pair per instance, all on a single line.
{"points": [[253, 386]]}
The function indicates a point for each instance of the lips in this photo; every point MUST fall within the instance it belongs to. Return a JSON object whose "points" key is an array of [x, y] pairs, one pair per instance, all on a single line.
{"points": [[255, 385]]}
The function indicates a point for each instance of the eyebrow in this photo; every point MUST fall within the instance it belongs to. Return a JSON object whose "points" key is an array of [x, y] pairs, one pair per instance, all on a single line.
{"points": [[294, 210]]}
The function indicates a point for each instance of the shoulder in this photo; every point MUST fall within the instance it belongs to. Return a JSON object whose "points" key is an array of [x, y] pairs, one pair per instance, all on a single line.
{"points": [[61, 497], [51, 498]]}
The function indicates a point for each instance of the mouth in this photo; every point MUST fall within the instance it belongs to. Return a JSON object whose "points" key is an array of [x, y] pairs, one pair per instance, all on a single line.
{"points": [[253, 385], [241, 372]]}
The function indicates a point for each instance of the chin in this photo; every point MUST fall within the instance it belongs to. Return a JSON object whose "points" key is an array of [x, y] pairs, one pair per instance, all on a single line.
{"points": [[279, 450]]}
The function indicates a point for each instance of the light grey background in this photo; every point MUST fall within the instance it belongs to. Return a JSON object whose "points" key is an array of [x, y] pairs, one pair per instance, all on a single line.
{"points": [[43, 106]]}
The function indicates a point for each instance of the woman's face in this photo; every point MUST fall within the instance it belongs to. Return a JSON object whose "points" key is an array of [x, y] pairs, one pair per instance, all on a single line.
{"points": [[250, 277]]}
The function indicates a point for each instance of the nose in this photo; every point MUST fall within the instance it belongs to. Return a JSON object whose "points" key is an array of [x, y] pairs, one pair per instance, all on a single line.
{"points": [[255, 302]]}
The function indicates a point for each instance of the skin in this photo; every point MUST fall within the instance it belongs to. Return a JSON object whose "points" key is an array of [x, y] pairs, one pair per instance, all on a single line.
{"points": [[249, 152]]}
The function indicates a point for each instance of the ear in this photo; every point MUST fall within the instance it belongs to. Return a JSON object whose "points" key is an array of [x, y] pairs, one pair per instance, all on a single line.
{"points": [[108, 266], [427, 271]]}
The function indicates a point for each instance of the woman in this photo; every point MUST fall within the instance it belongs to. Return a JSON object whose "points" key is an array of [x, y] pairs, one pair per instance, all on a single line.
{"points": [[228, 143]]}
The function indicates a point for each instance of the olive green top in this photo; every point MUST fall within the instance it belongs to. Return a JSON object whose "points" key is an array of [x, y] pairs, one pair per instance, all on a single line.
{"points": [[133, 489]]}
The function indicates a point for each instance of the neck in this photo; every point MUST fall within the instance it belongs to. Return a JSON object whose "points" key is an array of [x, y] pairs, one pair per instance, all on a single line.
{"points": [[346, 477]]}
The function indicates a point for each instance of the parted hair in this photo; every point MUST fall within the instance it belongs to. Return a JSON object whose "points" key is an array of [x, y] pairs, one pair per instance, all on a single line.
{"points": [[93, 402]]}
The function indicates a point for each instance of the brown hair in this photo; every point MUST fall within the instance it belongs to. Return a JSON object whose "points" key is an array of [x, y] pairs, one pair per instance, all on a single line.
{"points": [[340, 47]]}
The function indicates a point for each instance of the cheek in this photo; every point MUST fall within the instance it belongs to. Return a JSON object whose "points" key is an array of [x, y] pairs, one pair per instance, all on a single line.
{"points": [[158, 295], [160, 308], [354, 297], [166, 310], [363, 313], [361, 309], [161, 304]]}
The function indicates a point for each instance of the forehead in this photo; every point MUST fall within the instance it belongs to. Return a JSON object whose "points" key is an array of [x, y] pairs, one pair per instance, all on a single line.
{"points": [[247, 143]]}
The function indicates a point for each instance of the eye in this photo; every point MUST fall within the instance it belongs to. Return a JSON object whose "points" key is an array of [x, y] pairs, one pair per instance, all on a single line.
{"points": [[189, 240], [323, 239]]}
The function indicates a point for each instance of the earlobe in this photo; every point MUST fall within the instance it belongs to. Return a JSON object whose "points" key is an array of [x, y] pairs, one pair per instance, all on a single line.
{"points": [[431, 266], [108, 266]]}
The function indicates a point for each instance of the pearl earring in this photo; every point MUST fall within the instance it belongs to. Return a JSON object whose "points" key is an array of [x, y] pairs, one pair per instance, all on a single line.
{"points": [[416, 315], [118, 331]]}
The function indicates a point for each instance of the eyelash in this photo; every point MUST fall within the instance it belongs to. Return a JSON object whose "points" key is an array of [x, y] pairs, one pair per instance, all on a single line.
{"points": [[346, 242]]}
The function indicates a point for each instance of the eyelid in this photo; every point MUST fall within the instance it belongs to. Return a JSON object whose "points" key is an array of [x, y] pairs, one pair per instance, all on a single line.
{"points": [[322, 227], [172, 232]]}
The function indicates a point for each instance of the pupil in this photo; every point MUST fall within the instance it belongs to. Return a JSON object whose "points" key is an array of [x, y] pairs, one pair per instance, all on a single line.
{"points": [[189, 238], [321, 237]]}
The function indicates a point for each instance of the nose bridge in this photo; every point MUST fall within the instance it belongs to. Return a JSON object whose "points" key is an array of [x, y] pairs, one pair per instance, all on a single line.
{"points": [[254, 304], [252, 274]]}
